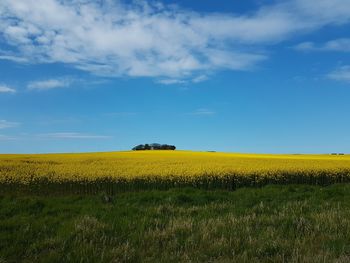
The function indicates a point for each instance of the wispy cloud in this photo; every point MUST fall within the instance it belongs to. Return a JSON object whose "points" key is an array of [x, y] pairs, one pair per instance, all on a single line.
{"points": [[6, 89], [120, 114], [6, 138], [72, 135], [49, 84], [340, 45], [151, 39], [13, 58], [340, 74], [196, 79], [200, 78], [305, 46], [54, 136], [202, 112], [8, 124], [53, 121], [171, 81]]}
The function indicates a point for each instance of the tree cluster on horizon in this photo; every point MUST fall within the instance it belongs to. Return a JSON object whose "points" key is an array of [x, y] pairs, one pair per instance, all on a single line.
{"points": [[153, 146]]}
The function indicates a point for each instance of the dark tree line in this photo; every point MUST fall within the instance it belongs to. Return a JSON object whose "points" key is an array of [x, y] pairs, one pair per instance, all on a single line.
{"points": [[153, 146]]}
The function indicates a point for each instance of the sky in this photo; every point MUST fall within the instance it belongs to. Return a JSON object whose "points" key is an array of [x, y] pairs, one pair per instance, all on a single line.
{"points": [[252, 76]]}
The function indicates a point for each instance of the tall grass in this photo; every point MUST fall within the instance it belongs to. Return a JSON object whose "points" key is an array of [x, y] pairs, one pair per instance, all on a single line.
{"points": [[294, 223]]}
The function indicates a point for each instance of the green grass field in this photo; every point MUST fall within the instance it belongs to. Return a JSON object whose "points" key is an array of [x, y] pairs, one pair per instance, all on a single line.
{"points": [[294, 223]]}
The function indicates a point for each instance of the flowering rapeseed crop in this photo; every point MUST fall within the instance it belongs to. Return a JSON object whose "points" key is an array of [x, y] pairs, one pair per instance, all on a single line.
{"points": [[114, 171]]}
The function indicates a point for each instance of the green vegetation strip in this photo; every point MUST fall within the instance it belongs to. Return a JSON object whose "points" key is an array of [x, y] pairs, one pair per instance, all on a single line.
{"points": [[294, 223]]}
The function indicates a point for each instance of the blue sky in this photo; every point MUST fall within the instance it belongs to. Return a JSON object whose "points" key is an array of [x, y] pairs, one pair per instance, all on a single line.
{"points": [[241, 76]]}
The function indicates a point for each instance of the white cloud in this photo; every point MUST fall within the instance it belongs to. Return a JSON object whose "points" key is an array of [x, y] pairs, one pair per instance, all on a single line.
{"points": [[203, 112], [113, 38], [340, 45], [49, 84], [7, 124], [341, 74], [6, 89], [72, 135]]}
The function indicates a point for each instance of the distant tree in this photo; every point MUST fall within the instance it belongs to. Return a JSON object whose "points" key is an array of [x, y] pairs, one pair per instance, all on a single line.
{"points": [[153, 146], [139, 147], [156, 146], [168, 147]]}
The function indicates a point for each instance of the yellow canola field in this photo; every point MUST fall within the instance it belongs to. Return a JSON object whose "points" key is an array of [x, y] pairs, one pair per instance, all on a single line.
{"points": [[186, 165]]}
